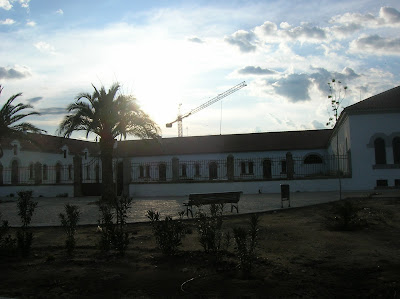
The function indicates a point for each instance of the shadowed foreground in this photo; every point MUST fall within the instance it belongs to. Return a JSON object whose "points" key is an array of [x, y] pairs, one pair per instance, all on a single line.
{"points": [[298, 257]]}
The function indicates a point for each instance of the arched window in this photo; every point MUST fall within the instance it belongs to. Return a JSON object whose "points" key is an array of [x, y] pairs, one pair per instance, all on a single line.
{"points": [[97, 173], [183, 167], [396, 150], [88, 172], [70, 171], [380, 151], [213, 171], [313, 159], [58, 173], [14, 172], [267, 171], [31, 171], [197, 169], [45, 172], [1, 174], [141, 171], [38, 173], [162, 172]]}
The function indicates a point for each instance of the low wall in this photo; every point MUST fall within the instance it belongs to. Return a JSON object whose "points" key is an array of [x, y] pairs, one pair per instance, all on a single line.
{"points": [[41, 190], [184, 189]]}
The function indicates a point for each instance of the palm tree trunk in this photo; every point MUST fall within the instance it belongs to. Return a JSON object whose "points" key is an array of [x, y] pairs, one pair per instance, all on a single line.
{"points": [[106, 147]]}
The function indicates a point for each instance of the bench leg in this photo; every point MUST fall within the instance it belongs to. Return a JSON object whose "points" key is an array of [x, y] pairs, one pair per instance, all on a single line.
{"points": [[236, 207]]}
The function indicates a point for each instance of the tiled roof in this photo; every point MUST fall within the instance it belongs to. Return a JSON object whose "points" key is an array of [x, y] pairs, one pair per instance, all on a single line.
{"points": [[385, 101], [288, 141], [51, 144]]}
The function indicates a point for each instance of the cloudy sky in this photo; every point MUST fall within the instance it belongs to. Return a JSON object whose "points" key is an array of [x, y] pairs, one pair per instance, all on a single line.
{"points": [[168, 53]]}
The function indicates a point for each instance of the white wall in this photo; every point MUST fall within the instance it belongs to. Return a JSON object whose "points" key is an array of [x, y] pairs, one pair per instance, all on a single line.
{"points": [[363, 129], [184, 189]]}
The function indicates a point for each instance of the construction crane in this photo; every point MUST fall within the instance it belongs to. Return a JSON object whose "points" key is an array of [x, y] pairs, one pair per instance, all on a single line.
{"points": [[201, 107]]}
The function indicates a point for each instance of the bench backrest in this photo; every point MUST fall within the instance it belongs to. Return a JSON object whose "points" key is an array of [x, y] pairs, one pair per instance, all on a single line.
{"points": [[214, 198]]}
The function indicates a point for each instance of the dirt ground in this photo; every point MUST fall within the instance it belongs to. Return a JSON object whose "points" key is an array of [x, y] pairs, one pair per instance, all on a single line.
{"points": [[298, 255]]}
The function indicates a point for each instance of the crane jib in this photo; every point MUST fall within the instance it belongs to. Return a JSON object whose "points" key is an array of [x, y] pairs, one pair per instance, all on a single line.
{"points": [[204, 105]]}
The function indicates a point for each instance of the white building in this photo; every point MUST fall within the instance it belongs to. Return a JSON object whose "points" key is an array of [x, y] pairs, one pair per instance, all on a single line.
{"points": [[366, 156]]}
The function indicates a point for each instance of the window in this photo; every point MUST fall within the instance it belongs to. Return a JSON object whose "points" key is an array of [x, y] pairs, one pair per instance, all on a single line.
{"points": [[162, 172], [397, 182], [65, 153], [267, 171], [283, 166], [85, 155], [147, 171], [97, 173], [45, 172], [381, 183], [313, 159], [380, 151], [396, 150], [183, 169], [247, 167], [141, 171], [31, 171], [58, 173], [88, 172], [1, 174], [197, 169], [14, 172], [242, 167], [213, 171], [70, 172], [15, 149], [251, 167]]}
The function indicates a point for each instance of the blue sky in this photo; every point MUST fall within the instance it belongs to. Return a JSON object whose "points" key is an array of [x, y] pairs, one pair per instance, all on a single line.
{"points": [[168, 53]]}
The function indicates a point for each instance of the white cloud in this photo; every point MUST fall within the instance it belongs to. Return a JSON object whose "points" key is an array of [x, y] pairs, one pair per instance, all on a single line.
{"points": [[59, 12], [388, 17], [7, 22], [243, 39], [375, 44], [44, 47], [16, 72], [195, 39], [24, 3], [31, 23], [5, 4]]}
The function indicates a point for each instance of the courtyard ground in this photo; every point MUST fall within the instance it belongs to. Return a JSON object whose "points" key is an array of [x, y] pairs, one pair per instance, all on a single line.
{"points": [[299, 255]]}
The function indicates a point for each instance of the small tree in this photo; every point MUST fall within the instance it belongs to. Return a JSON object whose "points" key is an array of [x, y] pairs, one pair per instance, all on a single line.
{"points": [[69, 221], [246, 241], [168, 233], [337, 93], [26, 207]]}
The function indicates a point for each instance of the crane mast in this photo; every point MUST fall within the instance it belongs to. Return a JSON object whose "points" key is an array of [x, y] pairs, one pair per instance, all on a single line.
{"points": [[202, 106]]}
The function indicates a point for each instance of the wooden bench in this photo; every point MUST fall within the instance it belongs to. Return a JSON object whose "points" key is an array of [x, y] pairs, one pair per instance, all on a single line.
{"points": [[199, 199]]}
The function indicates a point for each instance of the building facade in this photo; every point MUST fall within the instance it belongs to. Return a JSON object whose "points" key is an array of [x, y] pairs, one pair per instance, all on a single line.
{"points": [[363, 150]]}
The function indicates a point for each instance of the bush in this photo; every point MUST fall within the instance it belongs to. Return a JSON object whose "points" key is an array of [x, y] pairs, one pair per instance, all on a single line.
{"points": [[246, 241], [114, 235], [210, 229], [7, 243], [69, 221], [345, 216], [168, 233], [26, 207]]}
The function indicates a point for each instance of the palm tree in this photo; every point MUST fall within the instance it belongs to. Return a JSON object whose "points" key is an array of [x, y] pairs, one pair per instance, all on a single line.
{"points": [[108, 116], [10, 120]]}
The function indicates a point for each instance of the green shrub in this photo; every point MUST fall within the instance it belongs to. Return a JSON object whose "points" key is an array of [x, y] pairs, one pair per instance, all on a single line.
{"points": [[246, 241], [345, 216], [168, 233], [69, 221], [114, 235], [26, 207], [210, 229], [7, 243]]}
